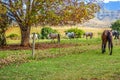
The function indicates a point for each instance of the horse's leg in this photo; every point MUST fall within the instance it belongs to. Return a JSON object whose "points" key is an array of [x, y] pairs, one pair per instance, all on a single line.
{"points": [[90, 37], [114, 37], [104, 46], [110, 46], [117, 36], [103, 49], [58, 38]]}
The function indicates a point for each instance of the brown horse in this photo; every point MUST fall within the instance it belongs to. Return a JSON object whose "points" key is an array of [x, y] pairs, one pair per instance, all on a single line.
{"points": [[88, 34], [107, 37]]}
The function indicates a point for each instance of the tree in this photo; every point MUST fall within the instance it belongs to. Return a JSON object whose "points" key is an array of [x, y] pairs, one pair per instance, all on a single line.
{"points": [[51, 12], [116, 25], [4, 21]]}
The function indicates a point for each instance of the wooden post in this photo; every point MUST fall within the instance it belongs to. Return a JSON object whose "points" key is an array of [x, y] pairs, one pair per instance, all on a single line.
{"points": [[33, 45]]}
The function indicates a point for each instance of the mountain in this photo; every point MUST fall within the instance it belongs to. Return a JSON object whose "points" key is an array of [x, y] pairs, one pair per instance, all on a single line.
{"points": [[108, 14], [95, 22]]}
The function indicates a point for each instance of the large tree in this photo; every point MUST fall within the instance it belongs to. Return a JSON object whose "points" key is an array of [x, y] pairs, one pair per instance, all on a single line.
{"points": [[52, 12]]}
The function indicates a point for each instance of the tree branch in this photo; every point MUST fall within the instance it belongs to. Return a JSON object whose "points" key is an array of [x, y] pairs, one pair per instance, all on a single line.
{"points": [[13, 11]]}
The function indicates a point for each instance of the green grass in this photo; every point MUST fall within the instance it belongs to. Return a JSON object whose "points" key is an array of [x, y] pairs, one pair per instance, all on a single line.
{"points": [[4, 54], [87, 65]]}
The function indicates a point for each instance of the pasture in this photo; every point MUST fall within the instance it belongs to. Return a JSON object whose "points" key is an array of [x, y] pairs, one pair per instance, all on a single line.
{"points": [[82, 60], [61, 30]]}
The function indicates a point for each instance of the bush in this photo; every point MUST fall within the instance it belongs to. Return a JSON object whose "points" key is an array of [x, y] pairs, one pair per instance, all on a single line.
{"points": [[46, 30], [78, 32], [116, 25], [13, 36]]}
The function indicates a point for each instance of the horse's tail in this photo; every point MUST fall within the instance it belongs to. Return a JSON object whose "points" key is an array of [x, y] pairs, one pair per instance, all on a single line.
{"points": [[58, 38], [110, 44]]}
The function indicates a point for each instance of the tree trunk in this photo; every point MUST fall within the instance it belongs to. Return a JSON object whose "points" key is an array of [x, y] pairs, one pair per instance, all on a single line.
{"points": [[25, 33], [2, 38]]}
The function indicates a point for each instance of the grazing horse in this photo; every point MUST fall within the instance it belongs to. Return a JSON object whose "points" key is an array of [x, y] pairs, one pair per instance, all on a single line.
{"points": [[70, 35], [88, 34], [54, 36], [107, 37], [115, 34], [36, 36]]}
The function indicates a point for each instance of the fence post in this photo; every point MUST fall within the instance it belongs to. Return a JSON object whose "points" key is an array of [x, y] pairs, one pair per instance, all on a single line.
{"points": [[33, 45]]}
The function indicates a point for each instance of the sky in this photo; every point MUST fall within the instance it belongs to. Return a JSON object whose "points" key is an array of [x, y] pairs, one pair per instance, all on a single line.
{"points": [[107, 1], [112, 4], [107, 4], [112, 7]]}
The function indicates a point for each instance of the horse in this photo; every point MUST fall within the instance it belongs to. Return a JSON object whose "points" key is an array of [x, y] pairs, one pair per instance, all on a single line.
{"points": [[54, 36], [107, 37], [88, 34], [36, 36], [115, 34], [70, 35]]}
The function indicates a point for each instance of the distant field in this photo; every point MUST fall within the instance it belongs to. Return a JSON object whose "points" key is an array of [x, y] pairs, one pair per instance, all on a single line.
{"points": [[60, 29]]}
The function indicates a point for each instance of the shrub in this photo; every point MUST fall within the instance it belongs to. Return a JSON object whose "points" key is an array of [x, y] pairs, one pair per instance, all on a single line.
{"points": [[78, 32], [46, 30], [13, 36]]}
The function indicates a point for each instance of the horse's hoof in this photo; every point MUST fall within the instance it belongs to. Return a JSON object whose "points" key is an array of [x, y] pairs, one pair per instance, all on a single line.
{"points": [[103, 51], [110, 53]]}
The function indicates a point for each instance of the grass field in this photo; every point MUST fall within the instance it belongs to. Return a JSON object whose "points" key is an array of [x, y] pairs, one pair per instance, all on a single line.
{"points": [[84, 62]]}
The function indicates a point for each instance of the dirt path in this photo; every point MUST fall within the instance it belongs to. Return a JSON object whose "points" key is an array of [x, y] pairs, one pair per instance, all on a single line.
{"points": [[37, 46]]}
